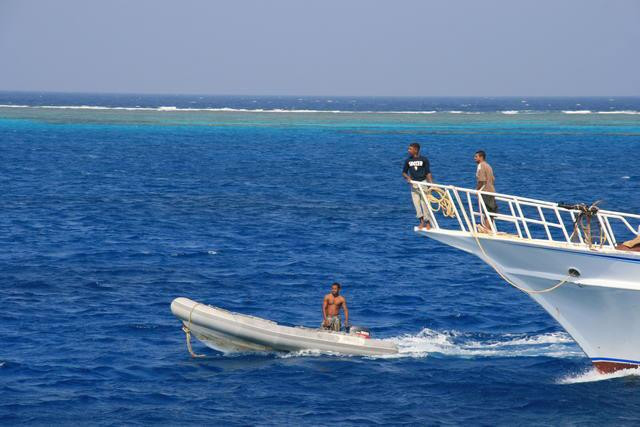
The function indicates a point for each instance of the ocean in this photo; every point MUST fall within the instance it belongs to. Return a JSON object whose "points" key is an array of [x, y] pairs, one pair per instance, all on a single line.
{"points": [[113, 205]]}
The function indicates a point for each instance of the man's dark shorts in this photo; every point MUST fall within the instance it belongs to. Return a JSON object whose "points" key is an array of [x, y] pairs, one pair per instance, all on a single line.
{"points": [[490, 202]]}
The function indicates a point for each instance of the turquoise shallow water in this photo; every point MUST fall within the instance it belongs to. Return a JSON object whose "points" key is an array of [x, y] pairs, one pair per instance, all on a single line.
{"points": [[107, 215]]}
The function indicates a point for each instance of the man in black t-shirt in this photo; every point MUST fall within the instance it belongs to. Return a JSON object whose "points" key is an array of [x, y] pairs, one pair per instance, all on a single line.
{"points": [[416, 168]]}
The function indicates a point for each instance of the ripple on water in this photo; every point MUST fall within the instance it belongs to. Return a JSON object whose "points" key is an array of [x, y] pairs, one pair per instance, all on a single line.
{"points": [[108, 216]]}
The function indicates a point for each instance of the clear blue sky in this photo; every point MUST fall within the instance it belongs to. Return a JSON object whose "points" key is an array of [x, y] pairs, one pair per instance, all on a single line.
{"points": [[324, 47]]}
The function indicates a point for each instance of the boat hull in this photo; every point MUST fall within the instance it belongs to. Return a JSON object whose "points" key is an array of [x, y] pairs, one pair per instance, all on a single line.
{"points": [[599, 307], [225, 331]]}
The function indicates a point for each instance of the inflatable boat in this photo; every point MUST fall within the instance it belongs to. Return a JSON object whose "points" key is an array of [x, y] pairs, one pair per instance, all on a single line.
{"points": [[230, 332]]}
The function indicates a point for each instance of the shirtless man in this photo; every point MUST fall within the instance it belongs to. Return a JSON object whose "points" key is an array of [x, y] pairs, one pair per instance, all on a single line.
{"points": [[331, 306]]}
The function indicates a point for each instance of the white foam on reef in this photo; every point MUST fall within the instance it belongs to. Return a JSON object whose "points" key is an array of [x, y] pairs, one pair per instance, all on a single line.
{"points": [[79, 107], [619, 112], [396, 112], [171, 108], [592, 375], [553, 344], [600, 112], [174, 109]]}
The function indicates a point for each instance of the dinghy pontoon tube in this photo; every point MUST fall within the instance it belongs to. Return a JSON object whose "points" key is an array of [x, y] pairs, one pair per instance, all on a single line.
{"points": [[225, 331]]}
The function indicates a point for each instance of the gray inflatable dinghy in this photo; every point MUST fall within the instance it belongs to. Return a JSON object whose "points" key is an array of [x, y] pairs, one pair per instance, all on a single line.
{"points": [[228, 332]]}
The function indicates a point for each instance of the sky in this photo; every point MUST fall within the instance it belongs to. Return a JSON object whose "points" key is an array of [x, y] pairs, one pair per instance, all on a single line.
{"points": [[323, 47]]}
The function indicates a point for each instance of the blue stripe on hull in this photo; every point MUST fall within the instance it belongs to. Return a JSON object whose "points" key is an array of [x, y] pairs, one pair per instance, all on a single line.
{"points": [[609, 359]]}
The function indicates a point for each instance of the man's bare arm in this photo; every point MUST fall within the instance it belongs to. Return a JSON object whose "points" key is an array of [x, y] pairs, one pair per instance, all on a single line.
{"points": [[429, 177], [406, 176], [346, 312], [325, 303]]}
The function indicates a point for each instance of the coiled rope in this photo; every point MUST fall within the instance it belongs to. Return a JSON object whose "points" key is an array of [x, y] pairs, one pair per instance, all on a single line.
{"points": [[187, 332], [586, 212], [442, 203]]}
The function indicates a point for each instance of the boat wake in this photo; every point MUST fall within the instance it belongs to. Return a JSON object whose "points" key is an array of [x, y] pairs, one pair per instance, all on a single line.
{"points": [[593, 375], [453, 343]]}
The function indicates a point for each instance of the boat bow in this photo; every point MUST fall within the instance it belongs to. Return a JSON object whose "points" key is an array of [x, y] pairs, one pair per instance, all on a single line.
{"points": [[571, 262]]}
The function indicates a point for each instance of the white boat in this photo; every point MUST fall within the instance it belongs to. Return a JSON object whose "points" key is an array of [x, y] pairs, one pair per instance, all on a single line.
{"points": [[585, 279], [227, 332]]}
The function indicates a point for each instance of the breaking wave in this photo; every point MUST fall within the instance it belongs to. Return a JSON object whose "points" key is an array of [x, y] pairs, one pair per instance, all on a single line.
{"points": [[619, 112], [600, 112], [633, 112], [393, 112], [171, 108]]}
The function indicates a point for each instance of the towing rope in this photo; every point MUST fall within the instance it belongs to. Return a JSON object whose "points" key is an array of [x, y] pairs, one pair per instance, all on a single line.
{"points": [[187, 332], [506, 279], [445, 204]]}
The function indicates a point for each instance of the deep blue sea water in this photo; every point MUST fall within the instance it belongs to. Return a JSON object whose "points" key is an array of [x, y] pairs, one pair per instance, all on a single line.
{"points": [[108, 214]]}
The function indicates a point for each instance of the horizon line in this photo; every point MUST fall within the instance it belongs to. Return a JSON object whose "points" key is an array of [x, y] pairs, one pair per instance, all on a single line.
{"points": [[74, 92]]}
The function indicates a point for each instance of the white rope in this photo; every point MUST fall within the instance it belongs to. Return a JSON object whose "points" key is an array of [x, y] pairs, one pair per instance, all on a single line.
{"points": [[187, 332], [442, 203], [506, 279]]}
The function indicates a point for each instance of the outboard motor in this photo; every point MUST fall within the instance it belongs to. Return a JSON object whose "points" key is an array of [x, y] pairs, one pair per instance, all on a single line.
{"points": [[359, 331]]}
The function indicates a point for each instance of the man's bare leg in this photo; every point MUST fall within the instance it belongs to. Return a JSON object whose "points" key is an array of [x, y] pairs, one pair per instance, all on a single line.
{"points": [[487, 223], [424, 225]]}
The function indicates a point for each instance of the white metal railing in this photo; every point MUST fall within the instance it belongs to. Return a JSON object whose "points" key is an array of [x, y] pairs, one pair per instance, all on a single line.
{"points": [[470, 211]]}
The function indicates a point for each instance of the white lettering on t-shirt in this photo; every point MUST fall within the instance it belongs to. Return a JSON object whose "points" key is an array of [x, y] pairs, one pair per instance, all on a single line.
{"points": [[415, 164]]}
